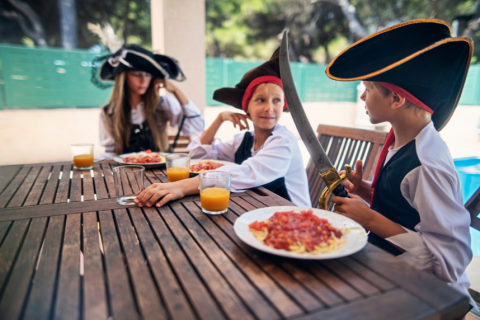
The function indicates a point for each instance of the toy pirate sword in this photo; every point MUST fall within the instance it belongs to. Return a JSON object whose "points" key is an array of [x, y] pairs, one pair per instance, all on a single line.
{"points": [[330, 176]]}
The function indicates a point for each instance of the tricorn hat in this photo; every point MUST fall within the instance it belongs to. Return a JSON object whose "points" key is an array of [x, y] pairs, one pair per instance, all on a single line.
{"points": [[133, 57], [418, 59], [238, 96]]}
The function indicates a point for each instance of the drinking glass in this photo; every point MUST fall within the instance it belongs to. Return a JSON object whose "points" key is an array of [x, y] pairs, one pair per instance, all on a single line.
{"points": [[128, 181], [178, 166], [215, 191], [82, 156]]}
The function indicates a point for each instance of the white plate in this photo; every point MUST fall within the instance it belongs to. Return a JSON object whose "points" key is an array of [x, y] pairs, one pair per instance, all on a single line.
{"points": [[196, 161], [119, 159], [356, 238]]}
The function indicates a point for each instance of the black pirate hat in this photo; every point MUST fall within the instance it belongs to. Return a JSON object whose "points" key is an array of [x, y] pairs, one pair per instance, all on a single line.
{"points": [[420, 58], [133, 57], [266, 71]]}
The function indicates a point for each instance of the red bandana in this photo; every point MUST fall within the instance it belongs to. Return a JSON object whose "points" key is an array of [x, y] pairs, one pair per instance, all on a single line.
{"points": [[391, 136], [254, 84]]}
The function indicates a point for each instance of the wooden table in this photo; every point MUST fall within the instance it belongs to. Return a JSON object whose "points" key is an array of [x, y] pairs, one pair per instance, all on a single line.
{"points": [[68, 251]]}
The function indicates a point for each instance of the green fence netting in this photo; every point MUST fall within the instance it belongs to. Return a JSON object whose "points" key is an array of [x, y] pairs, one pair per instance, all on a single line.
{"points": [[55, 78]]}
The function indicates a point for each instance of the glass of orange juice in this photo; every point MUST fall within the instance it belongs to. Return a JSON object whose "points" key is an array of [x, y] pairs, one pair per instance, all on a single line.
{"points": [[215, 191], [82, 156], [178, 166]]}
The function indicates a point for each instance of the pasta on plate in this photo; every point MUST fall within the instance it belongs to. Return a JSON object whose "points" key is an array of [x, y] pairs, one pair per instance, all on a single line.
{"points": [[301, 232]]}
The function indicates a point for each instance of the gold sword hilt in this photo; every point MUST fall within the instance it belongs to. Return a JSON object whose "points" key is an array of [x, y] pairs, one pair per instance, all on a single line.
{"points": [[332, 180]]}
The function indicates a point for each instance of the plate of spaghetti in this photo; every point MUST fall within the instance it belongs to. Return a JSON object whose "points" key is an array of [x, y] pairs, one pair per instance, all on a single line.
{"points": [[145, 158], [202, 165], [301, 233]]}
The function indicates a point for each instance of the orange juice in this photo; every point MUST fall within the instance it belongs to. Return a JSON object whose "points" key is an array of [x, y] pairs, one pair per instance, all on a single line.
{"points": [[83, 160], [177, 173], [214, 199]]}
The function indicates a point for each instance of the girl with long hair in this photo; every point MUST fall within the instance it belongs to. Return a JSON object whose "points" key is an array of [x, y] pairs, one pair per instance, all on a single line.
{"points": [[136, 117]]}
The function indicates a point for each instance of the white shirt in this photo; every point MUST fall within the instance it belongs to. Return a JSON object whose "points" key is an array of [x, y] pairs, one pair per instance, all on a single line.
{"points": [[174, 113], [441, 241], [279, 157]]}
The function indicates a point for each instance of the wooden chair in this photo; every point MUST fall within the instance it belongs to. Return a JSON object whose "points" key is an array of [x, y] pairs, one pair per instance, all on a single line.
{"points": [[473, 206], [345, 146], [182, 143]]}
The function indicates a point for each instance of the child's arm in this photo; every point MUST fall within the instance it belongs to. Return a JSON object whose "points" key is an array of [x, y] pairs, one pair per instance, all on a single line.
{"points": [[236, 118], [167, 191], [355, 183], [356, 209]]}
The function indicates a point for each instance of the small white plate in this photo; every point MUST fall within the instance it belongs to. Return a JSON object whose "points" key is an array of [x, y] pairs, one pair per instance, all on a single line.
{"points": [[196, 161], [120, 158], [356, 238]]}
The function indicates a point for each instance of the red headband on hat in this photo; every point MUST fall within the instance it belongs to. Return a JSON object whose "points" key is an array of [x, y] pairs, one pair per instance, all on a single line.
{"points": [[254, 84], [407, 95]]}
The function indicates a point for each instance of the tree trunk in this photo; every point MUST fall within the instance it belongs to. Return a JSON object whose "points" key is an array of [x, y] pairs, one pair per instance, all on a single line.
{"points": [[68, 23], [327, 54], [126, 22], [349, 13]]}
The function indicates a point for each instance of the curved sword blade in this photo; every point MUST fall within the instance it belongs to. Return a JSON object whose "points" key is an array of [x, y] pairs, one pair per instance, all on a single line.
{"points": [[319, 157]]}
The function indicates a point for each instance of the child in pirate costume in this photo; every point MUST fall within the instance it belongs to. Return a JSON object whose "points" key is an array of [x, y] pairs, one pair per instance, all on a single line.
{"points": [[135, 119], [267, 156], [414, 74]]}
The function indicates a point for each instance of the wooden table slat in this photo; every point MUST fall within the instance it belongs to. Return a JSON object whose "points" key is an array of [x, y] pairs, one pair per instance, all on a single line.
{"points": [[100, 184], [242, 285], [19, 198], [12, 187], [204, 305], [88, 191], [171, 291], [76, 186], [349, 276], [228, 300], [342, 288], [10, 246], [367, 274], [52, 184], [7, 173], [94, 286], [148, 299], [40, 300], [421, 285], [19, 281], [121, 296], [63, 185], [68, 292], [3, 230], [108, 175], [37, 190], [392, 305]]}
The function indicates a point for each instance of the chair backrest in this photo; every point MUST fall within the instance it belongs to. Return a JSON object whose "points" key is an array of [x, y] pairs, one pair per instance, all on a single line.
{"points": [[345, 146], [473, 206], [182, 143]]}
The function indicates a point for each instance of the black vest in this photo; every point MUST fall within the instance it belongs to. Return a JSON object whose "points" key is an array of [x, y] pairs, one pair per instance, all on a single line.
{"points": [[140, 139], [388, 197], [244, 152]]}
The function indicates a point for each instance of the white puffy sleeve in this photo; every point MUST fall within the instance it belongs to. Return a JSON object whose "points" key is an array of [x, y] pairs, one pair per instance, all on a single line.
{"points": [[218, 150], [106, 138], [270, 163], [440, 243], [174, 112]]}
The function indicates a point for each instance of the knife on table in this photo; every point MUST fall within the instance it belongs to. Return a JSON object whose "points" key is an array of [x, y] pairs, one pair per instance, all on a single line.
{"points": [[329, 174]]}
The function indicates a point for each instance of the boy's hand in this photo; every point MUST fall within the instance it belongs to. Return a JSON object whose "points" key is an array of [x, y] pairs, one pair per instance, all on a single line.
{"points": [[236, 119], [355, 179], [354, 208], [150, 195]]}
